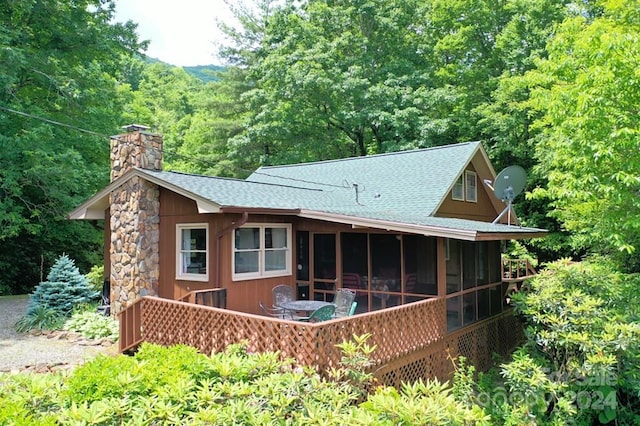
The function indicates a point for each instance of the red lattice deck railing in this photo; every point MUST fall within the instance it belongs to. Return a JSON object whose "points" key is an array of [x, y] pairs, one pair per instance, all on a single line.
{"points": [[411, 339]]}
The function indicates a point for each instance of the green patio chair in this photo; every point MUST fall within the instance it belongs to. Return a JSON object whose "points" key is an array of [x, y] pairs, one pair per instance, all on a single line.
{"points": [[352, 311], [321, 314]]}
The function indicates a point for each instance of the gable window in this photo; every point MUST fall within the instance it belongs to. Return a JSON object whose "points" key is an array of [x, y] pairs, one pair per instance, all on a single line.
{"points": [[471, 189], [465, 188], [262, 250], [457, 193], [192, 252]]}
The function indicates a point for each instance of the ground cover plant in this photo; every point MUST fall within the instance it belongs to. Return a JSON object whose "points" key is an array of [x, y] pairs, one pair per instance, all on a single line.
{"points": [[92, 324]]}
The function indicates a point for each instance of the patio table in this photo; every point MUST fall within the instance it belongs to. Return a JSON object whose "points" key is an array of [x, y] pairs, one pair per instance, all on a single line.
{"points": [[307, 306]]}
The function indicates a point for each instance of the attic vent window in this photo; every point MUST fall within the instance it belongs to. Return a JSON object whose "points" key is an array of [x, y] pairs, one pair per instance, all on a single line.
{"points": [[471, 186]]}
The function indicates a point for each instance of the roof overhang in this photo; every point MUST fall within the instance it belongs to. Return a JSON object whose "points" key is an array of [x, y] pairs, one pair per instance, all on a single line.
{"points": [[506, 232], [95, 206]]}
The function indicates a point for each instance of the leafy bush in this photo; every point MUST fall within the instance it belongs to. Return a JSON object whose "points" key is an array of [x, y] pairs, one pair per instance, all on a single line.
{"points": [[93, 325], [582, 359], [95, 278], [178, 385], [64, 289]]}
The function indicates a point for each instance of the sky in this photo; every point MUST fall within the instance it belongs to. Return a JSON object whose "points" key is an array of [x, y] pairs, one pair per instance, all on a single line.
{"points": [[181, 32]]}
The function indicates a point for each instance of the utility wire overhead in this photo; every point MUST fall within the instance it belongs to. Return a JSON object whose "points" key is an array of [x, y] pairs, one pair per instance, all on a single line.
{"points": [[163, 151]]}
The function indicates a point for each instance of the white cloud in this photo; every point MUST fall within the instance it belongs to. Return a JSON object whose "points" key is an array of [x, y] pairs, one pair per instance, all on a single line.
{"points": [[182, 32]]}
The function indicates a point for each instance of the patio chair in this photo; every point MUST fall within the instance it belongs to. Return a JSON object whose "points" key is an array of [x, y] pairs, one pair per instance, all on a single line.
{"points": [[410, 282], [281, 293], [351, 280], [343, 300], [274, 312], [321, 314], [352, 311]]}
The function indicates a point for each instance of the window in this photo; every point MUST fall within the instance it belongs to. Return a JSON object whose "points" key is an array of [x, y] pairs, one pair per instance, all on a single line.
{"points": [[457, 193], [466, 187], [261, 251], [471, 193], [192, 252]]}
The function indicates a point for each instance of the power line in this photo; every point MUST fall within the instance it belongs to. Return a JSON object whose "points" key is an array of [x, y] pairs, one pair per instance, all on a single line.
{"points": [[56, 123], [162, 151]]}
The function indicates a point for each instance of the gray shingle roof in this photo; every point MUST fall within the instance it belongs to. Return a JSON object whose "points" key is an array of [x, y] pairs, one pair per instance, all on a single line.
{"points": [[401, 184], [401, 190]]}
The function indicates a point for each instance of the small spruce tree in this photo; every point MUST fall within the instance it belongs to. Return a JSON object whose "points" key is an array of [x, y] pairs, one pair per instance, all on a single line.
{"points": [[64, 288]]}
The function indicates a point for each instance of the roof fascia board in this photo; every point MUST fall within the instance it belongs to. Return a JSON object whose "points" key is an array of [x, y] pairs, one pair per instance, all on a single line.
{"points": [[431, 231], [492, 236], [259, 210], [358, 222]]}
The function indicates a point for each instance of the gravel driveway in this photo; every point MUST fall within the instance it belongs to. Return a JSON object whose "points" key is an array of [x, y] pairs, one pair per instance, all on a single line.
{"points": [[19, 352]]}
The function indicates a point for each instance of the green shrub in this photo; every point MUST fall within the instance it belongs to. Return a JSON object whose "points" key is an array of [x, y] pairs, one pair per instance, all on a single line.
{"points": [[95, 278], [93, 325], [64, 289], [178, 385], [583, 353]]}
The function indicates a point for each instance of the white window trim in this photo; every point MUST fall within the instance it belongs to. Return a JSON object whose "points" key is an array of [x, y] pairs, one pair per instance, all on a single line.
{"points": [[184, 275], [467, 174], [456, 185], [261, 257]]}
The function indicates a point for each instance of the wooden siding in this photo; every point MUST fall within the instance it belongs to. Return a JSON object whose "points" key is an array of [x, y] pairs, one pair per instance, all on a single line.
{"points": [[241, 295], [244, 295]]}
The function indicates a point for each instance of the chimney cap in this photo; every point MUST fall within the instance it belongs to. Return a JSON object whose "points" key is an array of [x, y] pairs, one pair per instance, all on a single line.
{"points": [[135, 127]]}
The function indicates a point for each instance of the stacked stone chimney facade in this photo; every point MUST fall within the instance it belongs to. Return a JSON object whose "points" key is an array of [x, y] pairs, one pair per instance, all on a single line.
{"points": [[134, 219]]}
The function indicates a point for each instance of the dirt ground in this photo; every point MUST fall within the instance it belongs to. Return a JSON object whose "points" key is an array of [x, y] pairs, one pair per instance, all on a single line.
{"points": [[40, 353]]}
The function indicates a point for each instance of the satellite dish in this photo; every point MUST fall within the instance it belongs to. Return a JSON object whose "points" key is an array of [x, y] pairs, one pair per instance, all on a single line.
{"points": [[508, 185]]}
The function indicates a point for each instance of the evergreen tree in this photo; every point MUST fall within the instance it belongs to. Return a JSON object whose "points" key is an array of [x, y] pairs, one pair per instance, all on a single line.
{"points": [[64, 288]]}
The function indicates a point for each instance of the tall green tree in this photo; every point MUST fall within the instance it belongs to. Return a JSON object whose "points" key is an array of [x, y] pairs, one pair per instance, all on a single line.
{"points": [[587, 91], [62, 60], [162, 97], [218, 118], [337, 79]]}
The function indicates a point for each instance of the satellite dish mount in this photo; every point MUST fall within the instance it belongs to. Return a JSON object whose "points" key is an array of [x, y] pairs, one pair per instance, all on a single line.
{"points": [[509, 184]]}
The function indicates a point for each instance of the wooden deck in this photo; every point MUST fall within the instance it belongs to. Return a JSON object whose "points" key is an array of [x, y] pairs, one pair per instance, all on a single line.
{"points": [[411, 340]]}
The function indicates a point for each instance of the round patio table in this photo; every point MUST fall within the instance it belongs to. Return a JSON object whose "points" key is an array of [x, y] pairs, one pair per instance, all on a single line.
{"points": [[303, 305]]}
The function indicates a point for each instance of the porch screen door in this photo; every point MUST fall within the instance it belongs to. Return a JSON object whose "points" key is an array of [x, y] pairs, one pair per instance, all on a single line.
{"points": [[324, 266]]}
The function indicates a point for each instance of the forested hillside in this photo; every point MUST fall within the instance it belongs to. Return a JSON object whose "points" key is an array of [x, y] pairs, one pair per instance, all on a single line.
{"points": [[551, 85]]}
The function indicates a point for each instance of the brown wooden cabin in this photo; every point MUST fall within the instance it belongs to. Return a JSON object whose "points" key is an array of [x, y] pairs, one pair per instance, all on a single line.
{"points": [[399, 228]]}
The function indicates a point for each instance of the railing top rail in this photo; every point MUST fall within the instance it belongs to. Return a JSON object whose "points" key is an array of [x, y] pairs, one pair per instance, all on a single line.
{"points": [[206, 290]]}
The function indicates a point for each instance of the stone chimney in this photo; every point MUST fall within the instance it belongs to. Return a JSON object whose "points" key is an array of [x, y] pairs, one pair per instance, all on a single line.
{"points": [[134, 218], [136, 148]]}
